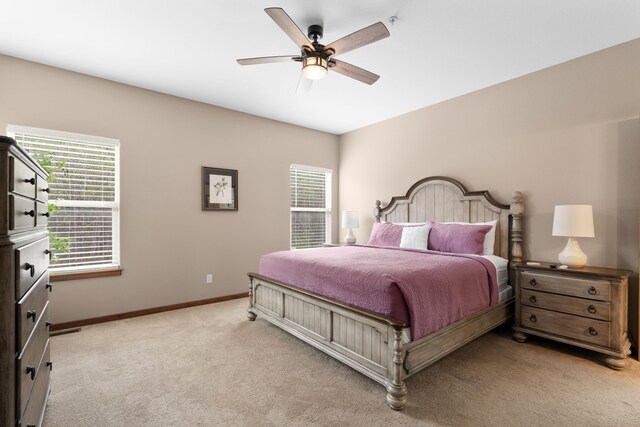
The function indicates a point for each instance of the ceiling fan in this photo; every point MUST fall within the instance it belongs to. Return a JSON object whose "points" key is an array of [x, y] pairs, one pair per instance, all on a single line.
{"points": [[316, 58]]}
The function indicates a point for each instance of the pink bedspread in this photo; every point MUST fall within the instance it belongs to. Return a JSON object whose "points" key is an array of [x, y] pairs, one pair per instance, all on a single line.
{"points": [[427, 289]]}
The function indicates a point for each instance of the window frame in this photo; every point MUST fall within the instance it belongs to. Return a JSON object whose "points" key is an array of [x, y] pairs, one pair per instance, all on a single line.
{"points": [[328, 200], [99, 270]]}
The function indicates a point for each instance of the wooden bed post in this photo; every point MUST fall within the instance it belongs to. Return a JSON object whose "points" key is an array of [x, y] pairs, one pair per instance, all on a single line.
{"points": [[516, 211], [376, 210], [396, 388], [251, 314]]}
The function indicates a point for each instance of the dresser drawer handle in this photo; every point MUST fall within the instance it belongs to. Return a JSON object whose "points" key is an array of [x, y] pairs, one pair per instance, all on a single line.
{"points": [[32, 314], [533, 318], [533, 282], [592, 309], [593, 331], [48, 325], [31, 181], [31, 268], [50, 365], [49, 286], [533, 298], [30, 213], [31, 370], [47, 214], [48, 252], [592, 290], [46, 190]]}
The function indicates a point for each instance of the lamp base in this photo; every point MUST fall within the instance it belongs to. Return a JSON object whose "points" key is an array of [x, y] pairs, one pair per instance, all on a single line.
{"points": [[572, 255], [350, 238]]}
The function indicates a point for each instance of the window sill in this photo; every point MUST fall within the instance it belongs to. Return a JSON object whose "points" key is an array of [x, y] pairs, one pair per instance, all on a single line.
{"points": [[61, 276]]}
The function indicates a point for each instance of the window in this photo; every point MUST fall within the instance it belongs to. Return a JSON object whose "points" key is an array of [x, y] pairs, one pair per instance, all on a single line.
{"points": [[84, 193], [310, 206]]}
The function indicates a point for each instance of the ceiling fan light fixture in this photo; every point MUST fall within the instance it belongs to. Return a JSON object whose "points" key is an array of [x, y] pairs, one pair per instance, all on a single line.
{"points": [[314, 67]]}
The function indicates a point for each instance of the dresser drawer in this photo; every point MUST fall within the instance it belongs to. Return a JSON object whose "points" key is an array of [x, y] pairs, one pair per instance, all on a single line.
{"points": [[579, 287], [30, 308], [22, 213], [29, 360], [581, 328], [572, 305], [22, 179], [34, 407], [31, 260], [42, 189], [42, 214]]}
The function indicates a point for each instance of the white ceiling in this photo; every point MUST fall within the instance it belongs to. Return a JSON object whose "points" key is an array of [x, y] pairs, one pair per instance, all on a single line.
{"points": [[438, 49]]}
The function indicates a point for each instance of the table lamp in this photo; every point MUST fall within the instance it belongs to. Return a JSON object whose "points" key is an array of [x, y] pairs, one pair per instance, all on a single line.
{"points": [[573, 221], [350, 220]]}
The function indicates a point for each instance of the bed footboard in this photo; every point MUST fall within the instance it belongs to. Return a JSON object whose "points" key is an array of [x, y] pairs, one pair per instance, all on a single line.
{"points": [[367, 342]]}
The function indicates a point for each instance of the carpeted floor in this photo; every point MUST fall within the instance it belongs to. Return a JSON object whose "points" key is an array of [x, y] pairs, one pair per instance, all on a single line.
{"points": [[210, 366]]}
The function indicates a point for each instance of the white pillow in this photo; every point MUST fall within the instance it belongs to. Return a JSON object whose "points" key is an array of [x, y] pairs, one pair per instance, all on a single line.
{"points": [[415, 237], [489, 238]]}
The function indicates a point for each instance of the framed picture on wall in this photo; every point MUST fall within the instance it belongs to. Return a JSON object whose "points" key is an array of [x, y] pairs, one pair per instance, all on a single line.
{"points": [[219, 189]]}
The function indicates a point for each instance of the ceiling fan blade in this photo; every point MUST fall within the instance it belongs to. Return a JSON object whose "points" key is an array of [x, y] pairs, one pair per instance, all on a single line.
{"points": [[360, 38], [304, 85], [354, 72], [267, 59], [285, 22]]}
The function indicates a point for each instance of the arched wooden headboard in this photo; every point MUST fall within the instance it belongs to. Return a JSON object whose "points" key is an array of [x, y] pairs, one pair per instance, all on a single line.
{"points": [[443, 199]]}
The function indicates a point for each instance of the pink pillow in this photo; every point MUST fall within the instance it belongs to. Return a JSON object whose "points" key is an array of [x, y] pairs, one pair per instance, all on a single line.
{"points": [[385, 234], [458, 238]]}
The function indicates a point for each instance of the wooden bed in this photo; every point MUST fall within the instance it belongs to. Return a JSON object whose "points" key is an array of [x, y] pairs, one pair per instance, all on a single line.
{"points": [[379, 346]]}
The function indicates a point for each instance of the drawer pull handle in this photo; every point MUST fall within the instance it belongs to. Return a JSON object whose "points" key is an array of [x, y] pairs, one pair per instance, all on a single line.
{"points": [[48, 252], [49, 325], [593, 331], [592, 309], [47, 214], [31, 370], [30, 213], [31, 181], [49, 286], [46, 190], [592, 290], [533, 318], [32, 314], [533, 282], [533, 298], [31, 268], [50, 365]]}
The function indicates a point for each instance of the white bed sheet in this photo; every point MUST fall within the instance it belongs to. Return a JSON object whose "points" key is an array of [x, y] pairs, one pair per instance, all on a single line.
{"points": [[502, 273]]}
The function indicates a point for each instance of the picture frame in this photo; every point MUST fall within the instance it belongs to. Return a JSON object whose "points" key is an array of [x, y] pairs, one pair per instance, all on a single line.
{"points": [[219, 189]]}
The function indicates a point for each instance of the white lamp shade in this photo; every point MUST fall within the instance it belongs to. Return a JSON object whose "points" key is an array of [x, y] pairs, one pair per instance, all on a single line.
{"points": [[350, 219], [573, 221]]}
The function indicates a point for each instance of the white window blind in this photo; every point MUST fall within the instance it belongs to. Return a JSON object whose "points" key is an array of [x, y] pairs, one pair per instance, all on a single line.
{"points": [[85, 190], [310, 206]]}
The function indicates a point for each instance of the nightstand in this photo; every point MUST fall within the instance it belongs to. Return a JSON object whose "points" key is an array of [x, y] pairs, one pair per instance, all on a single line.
{"points": [[585, 307]]}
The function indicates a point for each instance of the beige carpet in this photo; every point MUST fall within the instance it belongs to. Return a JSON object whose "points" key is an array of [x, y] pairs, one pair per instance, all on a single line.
{"points": [[209, 366]]}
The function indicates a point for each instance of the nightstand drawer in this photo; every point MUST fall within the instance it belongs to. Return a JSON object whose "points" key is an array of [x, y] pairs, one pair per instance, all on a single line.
{"points": [[571, 305], [581, 328], [579, 287]]}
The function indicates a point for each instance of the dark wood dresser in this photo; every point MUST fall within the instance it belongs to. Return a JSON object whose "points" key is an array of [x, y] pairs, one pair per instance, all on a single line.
{"points": [[24, 288], [585, 307]]}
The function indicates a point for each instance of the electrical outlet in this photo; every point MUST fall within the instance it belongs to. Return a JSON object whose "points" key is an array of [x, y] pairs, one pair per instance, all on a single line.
{"points": [[209, 279]]}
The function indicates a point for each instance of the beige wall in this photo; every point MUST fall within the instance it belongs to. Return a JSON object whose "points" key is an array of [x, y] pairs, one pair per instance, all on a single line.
{"points": [[569, 134], [167, 243]]}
